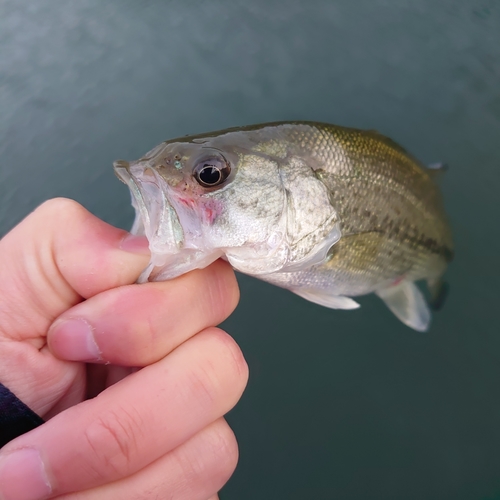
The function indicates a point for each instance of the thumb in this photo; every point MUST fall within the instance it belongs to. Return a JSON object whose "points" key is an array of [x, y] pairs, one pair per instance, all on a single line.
{"points": [[56, 257]]}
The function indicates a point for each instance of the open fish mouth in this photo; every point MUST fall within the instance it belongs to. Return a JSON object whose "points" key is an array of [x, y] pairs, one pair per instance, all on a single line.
{"points": [[155, 217]]}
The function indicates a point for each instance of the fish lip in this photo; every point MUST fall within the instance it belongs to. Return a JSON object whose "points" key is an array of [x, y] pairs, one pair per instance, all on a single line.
{"points": [[122, 171], [153, 208]]}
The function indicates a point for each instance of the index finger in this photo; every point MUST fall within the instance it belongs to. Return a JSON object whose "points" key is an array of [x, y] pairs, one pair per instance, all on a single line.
{"points": [[137, 325]]}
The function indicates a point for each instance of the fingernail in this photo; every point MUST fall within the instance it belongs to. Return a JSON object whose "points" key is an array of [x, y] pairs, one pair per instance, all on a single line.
{"points": [[22, 476], [135, 244], [73, 339]]}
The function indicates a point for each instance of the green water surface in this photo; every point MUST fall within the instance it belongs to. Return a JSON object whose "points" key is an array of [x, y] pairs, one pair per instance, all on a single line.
{"points": [[340, 404]]}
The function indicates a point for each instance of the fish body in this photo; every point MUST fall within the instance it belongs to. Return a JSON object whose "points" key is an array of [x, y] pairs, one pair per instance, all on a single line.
{"points": [[325, 211]]}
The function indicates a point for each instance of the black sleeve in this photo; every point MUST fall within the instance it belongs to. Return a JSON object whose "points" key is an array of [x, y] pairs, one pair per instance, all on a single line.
{"points": [[15, 417]]}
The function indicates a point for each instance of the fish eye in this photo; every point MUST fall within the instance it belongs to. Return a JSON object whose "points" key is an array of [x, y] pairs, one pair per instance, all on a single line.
{"points": [[211, 171]]}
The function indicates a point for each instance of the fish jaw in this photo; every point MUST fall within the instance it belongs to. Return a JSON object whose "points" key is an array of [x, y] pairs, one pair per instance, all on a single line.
{"points": [[170, 222]]}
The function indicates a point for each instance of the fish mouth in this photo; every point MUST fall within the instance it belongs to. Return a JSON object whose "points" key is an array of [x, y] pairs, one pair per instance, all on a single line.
{"points": [[173, 229], [155, 218]]}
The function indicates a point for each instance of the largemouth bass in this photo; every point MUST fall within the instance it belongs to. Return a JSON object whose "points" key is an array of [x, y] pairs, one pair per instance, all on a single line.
{"points": [[325, 211]]}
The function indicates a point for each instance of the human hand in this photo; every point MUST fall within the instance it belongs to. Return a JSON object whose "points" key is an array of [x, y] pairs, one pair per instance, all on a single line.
{"points": [[72, 324]]}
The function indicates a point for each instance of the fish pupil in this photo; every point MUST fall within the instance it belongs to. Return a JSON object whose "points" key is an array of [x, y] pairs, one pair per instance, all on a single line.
{"points": [[210, 175], [211, 172]]}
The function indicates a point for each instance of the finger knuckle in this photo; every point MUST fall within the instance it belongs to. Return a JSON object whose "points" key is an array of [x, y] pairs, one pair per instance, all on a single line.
{"points": [[141, 335], [223, 449], [231, 353], [205, 384], [216, 456], [113, 443], [221, 374], [223, 291], [60, 208]]}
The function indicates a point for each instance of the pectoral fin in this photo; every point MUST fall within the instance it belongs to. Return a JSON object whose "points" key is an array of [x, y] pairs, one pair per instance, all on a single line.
{"points": [[407, 302], [331, 301]]}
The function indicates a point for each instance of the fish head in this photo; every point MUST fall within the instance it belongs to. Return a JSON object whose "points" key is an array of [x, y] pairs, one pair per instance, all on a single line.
{"points": [[200, 199]]}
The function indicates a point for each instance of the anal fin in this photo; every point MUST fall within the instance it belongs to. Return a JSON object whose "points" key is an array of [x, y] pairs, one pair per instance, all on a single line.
{"points": [[438, 290], [324, 299], [407, 302]]}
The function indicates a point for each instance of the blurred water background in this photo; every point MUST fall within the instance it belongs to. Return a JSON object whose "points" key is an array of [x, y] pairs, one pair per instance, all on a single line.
{"points": [[344, 405]]}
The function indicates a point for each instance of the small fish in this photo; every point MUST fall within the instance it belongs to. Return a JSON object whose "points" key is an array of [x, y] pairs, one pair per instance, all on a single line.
{"points": [[325, 211]]}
